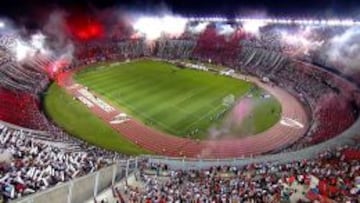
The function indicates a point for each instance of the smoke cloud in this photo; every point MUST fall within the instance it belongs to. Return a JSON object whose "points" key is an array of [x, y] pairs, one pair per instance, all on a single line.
{"points": [[225, 29], [59, 37], [344, 49], [302, 40], [55, 40], [153, 26], [198, 28], [253, 26]]}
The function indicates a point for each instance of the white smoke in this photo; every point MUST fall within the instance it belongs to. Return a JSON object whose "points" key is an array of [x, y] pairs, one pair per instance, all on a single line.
{"points": [[253, 26], [56, 27], [344, 49], [21, 46], [224, 29], [51, 43], [302, 41], [60, 41], [198, 28], [38, 41], [154, 26], [25, 44], [24, 48]]}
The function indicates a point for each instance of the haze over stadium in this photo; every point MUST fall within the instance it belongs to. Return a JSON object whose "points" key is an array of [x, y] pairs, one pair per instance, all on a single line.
{"points": [[179, 101]]}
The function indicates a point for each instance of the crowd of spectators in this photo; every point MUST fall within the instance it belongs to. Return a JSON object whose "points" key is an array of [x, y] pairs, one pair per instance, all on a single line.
{"points": [[318, 91], [22, 77], [333, 176], [332, 116], [91, 52], [33, 163], [248, 55], [36, 165]]}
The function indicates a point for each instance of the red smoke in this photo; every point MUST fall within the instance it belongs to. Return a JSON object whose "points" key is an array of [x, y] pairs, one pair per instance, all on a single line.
{"points": [[84, 27], [56, 67]]}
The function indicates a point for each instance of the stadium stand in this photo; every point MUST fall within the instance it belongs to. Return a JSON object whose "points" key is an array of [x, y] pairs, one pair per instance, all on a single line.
{"points": [[333, 175], [47, 156]]}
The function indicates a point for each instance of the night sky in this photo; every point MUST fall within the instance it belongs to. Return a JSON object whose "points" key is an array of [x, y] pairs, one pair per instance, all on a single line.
{"points": [[228, 8]]}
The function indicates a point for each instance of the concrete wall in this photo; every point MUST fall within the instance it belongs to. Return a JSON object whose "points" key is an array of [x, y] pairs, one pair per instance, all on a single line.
{"points": [[105, 179], [83, 188], [58, 195]]}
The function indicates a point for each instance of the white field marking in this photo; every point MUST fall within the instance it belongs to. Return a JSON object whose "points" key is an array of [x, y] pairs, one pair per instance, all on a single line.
{"points": [[99, 102], [74, 86], [118, 121], [286, 121], [86, 101]]}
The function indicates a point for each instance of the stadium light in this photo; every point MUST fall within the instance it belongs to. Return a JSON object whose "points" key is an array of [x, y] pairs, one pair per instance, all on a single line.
{"points": [[309, 21], [2, 24]]}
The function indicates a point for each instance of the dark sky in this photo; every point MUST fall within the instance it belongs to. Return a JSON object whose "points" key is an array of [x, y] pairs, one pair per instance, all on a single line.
{"points": [[299, 8]]}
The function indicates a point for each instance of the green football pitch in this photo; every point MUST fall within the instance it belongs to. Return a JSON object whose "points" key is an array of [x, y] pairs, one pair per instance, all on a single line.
{"points": [[182, 102], [177, 101], [80, 122]]}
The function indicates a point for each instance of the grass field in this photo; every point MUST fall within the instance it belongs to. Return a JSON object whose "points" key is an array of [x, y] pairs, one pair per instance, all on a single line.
{"points": [[264, 113], [177, 101], [76, 119]]}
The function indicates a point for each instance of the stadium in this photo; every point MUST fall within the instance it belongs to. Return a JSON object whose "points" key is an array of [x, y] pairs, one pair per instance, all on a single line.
{"points": [[122, 106]]}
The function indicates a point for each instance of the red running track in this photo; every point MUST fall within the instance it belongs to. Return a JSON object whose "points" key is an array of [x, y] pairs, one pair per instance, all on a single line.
{"points": [[160, 143]]}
